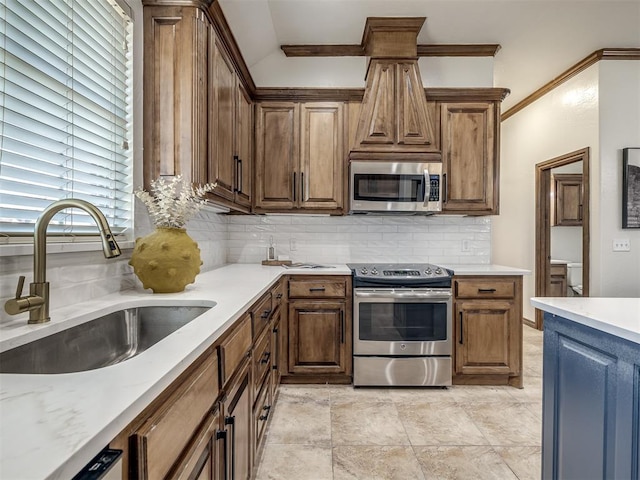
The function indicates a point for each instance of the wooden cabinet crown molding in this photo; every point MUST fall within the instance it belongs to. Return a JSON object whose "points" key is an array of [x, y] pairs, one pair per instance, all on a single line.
{"points": [[423, 50]]}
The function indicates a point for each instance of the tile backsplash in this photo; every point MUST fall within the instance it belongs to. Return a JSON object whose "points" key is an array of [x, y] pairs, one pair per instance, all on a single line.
{"points": [[354, 238], [81, 276]]}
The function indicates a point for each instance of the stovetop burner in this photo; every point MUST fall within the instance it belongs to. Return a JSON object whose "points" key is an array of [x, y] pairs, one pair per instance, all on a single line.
{"points": [[400, 274]]}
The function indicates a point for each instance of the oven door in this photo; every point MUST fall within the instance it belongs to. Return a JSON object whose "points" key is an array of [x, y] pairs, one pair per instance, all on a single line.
{"points": [[401, 322]]}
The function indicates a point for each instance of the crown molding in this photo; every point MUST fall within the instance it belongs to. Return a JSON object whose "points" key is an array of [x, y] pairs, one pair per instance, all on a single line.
{"points": [[424, 50], [582, 65]]}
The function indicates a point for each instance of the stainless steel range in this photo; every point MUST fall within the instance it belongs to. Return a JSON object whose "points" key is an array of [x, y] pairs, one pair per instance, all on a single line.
{"points": [[402, 325]]}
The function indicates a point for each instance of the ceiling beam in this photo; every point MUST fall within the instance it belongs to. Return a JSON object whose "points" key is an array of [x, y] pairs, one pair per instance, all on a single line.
{"points": [[435, 50]]}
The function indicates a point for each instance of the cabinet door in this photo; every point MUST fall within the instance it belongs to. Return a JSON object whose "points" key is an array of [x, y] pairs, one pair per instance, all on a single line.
{"points": [[275, 346], [485, 336], [222, 86], [317, 337], [322, 157], [557, 281], [204, 460], [175, 93], [277, 155], [244, 148], [568, 200], [470, 158], [237, 421]]}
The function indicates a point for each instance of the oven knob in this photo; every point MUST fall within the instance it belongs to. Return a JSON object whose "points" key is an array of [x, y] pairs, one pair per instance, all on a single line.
{"points": [[403, 346], [364, 271], [438, 271], [427, 271], [374, 271]]}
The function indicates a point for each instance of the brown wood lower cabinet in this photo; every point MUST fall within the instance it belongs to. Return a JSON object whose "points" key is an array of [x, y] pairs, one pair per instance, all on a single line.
{"points": [[237, 411], [487, 320], [317, 337]]}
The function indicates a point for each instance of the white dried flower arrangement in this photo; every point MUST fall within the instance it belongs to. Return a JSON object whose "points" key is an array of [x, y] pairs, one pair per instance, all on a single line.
{"points": [[174, 201]]}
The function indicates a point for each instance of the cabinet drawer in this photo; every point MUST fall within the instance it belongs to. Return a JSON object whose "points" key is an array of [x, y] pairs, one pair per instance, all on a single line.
{"points": [[235, 347], [162, 438], [317, 288], [202, 457], [261, 358], [261, 413], [485, 288], [261, 313], [558, 269], [277, 295]]}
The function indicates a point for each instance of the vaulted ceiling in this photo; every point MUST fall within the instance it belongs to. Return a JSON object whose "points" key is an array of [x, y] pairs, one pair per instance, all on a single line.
{"points": [[539, 38]]}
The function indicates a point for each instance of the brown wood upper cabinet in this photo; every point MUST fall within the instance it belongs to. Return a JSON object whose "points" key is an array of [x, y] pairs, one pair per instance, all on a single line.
{"points": [[197, 117], [300, 157], [567, 207], [230, 129], [175, 93], [470, 157]]}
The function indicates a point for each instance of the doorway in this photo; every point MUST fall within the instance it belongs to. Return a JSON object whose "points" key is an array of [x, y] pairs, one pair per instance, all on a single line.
{"points": [[562, 202]]}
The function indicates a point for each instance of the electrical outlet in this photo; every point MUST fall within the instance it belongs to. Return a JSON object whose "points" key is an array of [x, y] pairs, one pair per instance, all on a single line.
{"points": [[293, 245], [621, 245]]}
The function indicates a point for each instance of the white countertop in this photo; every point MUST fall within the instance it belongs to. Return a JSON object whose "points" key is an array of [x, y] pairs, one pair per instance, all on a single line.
{"points": [[616, 316], [52, 425], [486, 270]]}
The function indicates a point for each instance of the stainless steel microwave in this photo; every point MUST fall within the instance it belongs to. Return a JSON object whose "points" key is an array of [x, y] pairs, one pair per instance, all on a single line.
{"points": [[395, 187]]}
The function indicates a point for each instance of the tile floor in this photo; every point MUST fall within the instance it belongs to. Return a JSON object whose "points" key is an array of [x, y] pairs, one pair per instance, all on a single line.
{"points": [[330, 432]]}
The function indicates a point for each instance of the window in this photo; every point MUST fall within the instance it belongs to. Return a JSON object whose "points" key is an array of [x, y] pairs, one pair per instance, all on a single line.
{"points": [[65, 116]]}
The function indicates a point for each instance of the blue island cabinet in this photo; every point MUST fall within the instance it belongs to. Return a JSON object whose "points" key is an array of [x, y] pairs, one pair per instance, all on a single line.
{"points": [[590, 403]]}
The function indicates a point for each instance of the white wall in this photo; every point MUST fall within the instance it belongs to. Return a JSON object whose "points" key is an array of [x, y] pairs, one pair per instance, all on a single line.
{"points": [[564, 120], [600, 109], [618, 273]]}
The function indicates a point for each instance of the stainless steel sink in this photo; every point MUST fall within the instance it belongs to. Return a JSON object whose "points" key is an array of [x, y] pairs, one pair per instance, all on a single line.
{"points": [[104, 341]]}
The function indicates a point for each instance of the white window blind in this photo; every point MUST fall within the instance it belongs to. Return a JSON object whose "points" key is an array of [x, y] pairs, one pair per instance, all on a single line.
{"points": [[64, 113]]}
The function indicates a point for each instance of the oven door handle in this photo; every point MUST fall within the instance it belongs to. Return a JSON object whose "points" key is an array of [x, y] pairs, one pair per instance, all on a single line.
{"points": [[407, 295]]}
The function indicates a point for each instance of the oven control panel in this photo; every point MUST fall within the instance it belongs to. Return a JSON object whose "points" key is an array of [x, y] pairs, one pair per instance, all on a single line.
{"points": [[400, 271]]}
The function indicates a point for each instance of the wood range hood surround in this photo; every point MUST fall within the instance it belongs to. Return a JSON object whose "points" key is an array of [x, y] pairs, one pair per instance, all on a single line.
{"points": [[395, 121]]}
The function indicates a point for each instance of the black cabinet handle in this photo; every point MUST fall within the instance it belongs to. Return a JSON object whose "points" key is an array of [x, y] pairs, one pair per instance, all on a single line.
{"points": [[265, 314], [486, 290], [236, 162], [231, 421], [222, 435], [342, 326], [461, 335], [317, 289], [293, 185], [302, 186], [265, 358], [444, 188], [266, 415], [279, 296]]}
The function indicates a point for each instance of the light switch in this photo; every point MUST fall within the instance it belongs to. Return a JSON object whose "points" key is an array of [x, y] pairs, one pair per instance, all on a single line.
{"points": [[621, 245]]}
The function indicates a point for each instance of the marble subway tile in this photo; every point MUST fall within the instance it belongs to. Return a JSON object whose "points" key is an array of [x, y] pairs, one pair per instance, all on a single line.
{"points": [[375, 463]]}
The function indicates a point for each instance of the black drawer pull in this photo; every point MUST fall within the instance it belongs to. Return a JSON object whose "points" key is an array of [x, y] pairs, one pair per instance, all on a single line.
{"points": [[266, 415], [265, 357], [486, 290], [265, 314], [317, 289], [279, 296]]}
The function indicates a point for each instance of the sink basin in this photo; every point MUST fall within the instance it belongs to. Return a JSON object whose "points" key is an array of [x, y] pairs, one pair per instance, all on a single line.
{"points": [[106, 340]]}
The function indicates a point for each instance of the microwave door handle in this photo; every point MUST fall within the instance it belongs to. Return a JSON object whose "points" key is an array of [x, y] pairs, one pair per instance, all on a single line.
{"points": [[427, 187]]}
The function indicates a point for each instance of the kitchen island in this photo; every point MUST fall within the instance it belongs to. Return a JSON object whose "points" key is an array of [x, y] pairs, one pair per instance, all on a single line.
{"points": [[591, 387]]}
